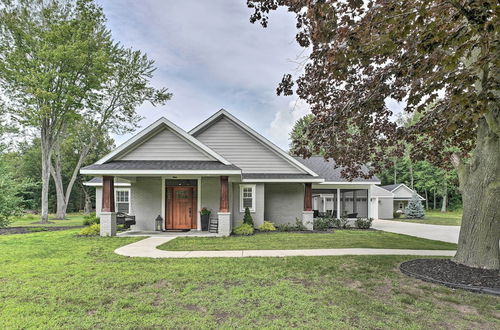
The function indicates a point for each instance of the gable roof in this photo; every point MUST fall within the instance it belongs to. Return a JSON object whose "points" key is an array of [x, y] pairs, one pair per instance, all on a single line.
{"points": [[378, 191], [223, 113], [393, 187], [144, 134], [326, 169]]}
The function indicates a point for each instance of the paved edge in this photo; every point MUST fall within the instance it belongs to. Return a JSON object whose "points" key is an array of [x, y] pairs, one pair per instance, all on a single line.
{"points": [[146, 248]]}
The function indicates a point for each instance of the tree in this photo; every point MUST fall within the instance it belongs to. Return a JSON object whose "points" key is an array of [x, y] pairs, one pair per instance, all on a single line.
{"points": [[114, 111], [54, 54], [414, 209], [247, 217], [441, 59], [299, 133]]}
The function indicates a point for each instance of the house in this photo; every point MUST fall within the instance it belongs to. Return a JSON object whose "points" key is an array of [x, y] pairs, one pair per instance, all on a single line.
{"points": [[390, 198], [221, 164]]}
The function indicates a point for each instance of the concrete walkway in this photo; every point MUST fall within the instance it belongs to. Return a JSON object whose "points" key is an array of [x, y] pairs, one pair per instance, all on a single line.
{"points": [[147, 248], [434, 232]]}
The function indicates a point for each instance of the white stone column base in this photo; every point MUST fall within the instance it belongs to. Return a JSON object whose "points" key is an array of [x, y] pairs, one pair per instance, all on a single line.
{"points": [[108, 223], [224, 224], [307, 219]]}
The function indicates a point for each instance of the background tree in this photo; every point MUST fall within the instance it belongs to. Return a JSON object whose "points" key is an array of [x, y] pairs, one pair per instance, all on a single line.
{"points": [[53, 55], [440, 53], [113, 111], [414, 209]]}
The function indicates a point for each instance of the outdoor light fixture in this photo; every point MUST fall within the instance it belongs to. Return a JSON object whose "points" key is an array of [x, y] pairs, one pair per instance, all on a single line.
{"points": [[158, 220]]}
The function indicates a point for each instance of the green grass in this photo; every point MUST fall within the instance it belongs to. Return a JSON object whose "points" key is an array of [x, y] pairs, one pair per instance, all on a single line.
{"points": [[27, 220], [53, 280], [286, 241], [450, 218]]}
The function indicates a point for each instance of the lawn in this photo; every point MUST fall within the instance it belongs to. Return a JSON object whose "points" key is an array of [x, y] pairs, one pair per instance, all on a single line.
{"points": [[28, 220], [278, 241], [54, 280], [433, 217]]}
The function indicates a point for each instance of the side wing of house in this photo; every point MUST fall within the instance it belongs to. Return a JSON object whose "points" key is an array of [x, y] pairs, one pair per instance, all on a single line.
{"points": [[403, 192]]}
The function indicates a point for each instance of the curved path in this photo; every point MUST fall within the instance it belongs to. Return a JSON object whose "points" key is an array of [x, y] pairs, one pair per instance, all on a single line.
{"points": [[146, 248]]}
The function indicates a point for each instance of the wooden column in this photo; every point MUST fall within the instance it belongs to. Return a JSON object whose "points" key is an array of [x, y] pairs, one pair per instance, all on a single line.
{"points": [[308, 197], [108, 194], [224, 194]]}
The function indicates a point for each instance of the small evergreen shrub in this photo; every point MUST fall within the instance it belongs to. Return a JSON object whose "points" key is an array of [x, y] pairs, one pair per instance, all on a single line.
{"points": [[322, 224], [267, 226], [90, 219], [243, 229], [415, 209], [363, 223], [92, 230], [247, 218], [396, 214]]}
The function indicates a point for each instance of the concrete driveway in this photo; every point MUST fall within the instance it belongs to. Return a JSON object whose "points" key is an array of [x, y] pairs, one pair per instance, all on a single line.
{"points": [[435, 232]]}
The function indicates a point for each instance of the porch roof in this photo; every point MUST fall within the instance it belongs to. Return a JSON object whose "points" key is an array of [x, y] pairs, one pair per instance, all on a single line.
{"points": [[132, 167]]}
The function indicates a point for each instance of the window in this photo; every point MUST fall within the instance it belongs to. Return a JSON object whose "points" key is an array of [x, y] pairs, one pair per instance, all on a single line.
{"points": [[401, 206], [247, 197], [122, 200]]}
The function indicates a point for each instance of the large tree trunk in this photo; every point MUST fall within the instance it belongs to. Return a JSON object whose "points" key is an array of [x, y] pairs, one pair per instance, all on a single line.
{"points": [[56, 171], [480, 186], [46, 151], [444, 202], [88, 200]]}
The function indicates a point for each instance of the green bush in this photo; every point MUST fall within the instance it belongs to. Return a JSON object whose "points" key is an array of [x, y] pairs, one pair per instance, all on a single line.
{"points": [[396, 214], [247, 218], [243, 229], [90, 219], [299, 226], [322, 224], [267, 226], [363, 223], [91, 230], [4, 221], [343, 223]]}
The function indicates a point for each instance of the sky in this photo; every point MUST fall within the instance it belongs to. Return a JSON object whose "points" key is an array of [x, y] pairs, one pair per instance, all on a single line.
{"points": [[210, 57]]}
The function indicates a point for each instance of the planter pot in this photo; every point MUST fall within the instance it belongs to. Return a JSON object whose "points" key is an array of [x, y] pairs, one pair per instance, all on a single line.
{"points": [[205, 218]]}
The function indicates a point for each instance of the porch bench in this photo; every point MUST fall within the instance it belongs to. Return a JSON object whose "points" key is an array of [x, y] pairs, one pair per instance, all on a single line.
{"points": [[125, 219]]}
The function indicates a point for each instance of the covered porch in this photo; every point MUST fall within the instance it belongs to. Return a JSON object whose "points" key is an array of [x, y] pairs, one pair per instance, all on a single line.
{"points": [[352, 200]]}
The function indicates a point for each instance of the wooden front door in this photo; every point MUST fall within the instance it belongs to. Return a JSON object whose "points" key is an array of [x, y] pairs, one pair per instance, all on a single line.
{"points": [[181, 208]]}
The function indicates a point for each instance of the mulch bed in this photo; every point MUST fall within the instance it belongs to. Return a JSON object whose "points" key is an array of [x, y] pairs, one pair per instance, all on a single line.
{"points": [[33, 229], [448, 273]]}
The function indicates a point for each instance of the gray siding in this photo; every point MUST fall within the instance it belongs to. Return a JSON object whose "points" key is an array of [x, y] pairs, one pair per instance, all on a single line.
{"points": [[385, 208], [284, 202], [210, 194], [258, 215], [146, 202], [165, 145], [244, 151]]}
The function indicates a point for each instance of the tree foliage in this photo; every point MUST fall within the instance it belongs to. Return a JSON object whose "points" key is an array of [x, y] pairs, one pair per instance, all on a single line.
{"points": [[414, 209]]}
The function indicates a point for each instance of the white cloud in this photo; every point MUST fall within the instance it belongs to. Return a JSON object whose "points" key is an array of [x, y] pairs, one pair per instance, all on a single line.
{"points": [[284, 120]]}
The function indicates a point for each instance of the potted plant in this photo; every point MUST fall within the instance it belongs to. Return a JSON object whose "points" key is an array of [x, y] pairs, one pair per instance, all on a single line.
{"points": [[205, 218]]}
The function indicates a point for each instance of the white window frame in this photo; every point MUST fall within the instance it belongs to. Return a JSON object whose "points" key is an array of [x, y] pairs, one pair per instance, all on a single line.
{"points": [[129, 198], [242, 186]]}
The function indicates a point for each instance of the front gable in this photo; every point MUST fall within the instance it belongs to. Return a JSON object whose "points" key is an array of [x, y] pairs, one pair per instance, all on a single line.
{"points": [[239, 146], [404, 192], [164, 144]]}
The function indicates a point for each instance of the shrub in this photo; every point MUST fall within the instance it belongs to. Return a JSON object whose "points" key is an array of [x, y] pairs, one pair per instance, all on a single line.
{"points": [[267, 226], [247, 218], [415, 209], [396, 214], [243, 229], [90, 219], [343, 222], [91, 230], [299, 226], [322, 224], [363, 223], [4, 221], [205, 211]]}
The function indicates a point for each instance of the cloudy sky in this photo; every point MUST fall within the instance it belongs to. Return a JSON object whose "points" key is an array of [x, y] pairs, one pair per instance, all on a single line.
{"points": [[210, 56]]}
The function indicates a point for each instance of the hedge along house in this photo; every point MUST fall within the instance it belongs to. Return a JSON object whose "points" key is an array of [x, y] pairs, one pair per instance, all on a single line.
{"points": [[223, 165]]}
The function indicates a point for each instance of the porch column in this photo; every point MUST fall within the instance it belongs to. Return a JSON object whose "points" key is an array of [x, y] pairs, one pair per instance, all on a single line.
{"points": [[224, 215], [108, 215], [338, 204], [308, 213]]}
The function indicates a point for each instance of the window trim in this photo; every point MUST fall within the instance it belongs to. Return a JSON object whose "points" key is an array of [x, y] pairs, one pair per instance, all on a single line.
{"points": [[129, 198], [242, 186]]}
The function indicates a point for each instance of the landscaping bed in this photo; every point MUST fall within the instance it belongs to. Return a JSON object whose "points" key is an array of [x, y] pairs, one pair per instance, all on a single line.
{"points": [[448, 273], [33, 229]]}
